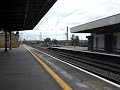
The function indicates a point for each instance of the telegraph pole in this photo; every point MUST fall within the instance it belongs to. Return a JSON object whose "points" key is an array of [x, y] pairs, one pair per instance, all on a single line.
{"points": [[67, 36], [40, 38], [67, 33]]}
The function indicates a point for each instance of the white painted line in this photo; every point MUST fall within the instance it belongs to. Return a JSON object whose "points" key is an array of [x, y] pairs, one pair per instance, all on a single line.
{"points": [[112, 83]]}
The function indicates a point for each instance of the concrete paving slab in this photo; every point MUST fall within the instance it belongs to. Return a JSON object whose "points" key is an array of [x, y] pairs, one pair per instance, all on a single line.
{"points": [[20, 71]]}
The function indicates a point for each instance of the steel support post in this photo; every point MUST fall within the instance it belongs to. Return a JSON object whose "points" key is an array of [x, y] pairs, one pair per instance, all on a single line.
{"points": [[6, 41], [10, 41]]}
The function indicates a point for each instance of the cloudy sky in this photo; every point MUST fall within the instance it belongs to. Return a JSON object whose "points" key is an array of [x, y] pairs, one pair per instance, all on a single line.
{"points": [[71, 13]]}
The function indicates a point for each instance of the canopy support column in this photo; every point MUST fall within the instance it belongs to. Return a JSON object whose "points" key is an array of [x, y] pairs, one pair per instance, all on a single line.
{"points": [[6, 41], [10, 41]]}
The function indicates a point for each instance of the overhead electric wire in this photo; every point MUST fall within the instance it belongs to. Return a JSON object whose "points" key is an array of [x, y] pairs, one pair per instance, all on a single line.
{"points": [[65, 16]]}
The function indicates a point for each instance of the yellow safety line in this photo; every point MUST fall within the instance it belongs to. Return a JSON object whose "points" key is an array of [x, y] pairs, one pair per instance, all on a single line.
{"points": [[62, 83]]}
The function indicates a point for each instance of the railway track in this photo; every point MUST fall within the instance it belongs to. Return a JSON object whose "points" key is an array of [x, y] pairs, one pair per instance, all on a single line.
{"points": [[106, 67]]}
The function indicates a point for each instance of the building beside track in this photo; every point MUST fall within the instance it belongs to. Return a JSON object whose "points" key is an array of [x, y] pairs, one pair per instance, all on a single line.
{"points": [[105, 34], [14, 41]]}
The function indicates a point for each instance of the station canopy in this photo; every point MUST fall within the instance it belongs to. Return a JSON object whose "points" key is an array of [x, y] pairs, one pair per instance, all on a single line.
{"points": [[108, 24], [17, 15]]}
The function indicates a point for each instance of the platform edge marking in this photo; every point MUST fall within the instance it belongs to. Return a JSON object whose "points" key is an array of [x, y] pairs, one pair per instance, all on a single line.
{"points": [[61, 82], [112, 83]]}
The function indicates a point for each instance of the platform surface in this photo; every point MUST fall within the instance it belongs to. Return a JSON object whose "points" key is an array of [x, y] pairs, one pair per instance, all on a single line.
{"points": [[20, 71], [85, 49]]}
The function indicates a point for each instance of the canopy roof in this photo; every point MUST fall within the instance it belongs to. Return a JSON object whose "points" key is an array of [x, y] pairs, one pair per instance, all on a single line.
{"points": [[108, 24], [17, 15]]}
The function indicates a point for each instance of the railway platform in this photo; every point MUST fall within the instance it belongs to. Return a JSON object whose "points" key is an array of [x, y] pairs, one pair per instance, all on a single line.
{"points": [[92, 80], [85, 49], [22, 69]]}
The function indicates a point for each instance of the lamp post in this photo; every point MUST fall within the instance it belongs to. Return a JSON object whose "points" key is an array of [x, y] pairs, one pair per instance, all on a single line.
{"points": [[40, 38]]}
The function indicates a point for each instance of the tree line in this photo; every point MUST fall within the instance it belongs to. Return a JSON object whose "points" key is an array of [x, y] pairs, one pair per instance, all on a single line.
{"points": [[74, 41]]}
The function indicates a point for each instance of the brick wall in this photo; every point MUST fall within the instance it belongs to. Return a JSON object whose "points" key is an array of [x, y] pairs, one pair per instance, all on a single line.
{"points": [[14, 40]]}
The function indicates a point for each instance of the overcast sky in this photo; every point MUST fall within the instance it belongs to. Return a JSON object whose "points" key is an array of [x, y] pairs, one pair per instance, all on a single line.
{"points": [[71, 13]]}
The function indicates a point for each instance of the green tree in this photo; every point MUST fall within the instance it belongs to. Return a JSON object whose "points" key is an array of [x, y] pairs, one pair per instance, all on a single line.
{"points": [[75, 40], [47, 41], [55, 42]]}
